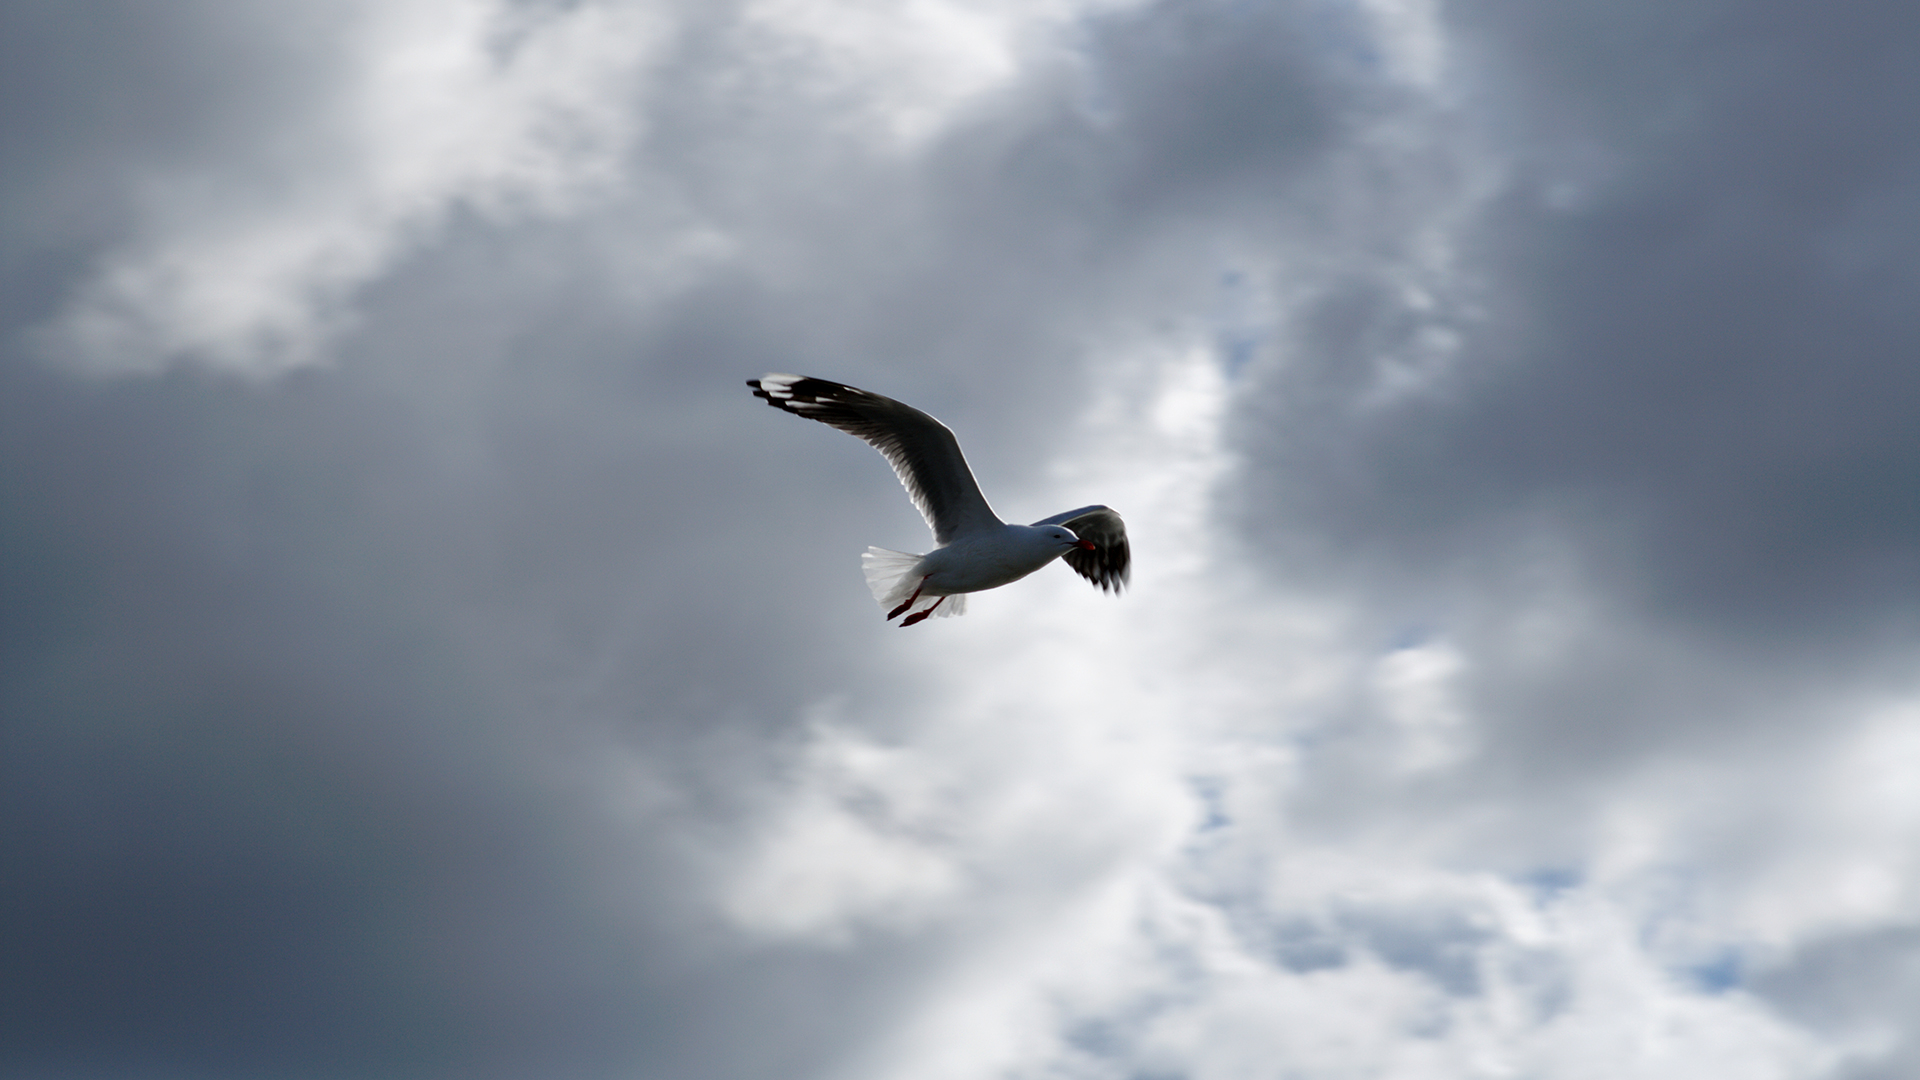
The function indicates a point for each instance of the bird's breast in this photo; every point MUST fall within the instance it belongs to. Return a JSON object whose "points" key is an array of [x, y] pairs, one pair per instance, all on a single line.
{"points": [[978, 565]]}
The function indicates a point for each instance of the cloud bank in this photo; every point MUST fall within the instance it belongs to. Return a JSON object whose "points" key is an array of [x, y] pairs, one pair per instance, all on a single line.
{"points": [[423, 658]]}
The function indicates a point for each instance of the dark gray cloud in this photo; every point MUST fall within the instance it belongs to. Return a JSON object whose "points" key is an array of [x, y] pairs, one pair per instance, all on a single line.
{"points": [[1692, 367], [301, 698], [1685, 383], [110, 106]]}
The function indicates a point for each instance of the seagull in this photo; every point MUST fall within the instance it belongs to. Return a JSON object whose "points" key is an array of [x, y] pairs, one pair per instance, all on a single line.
{"points": [[974, 550]]}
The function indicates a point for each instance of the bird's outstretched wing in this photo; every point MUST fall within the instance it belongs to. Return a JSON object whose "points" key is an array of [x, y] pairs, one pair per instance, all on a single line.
{"points": [[923, 453], [1109, 565]]}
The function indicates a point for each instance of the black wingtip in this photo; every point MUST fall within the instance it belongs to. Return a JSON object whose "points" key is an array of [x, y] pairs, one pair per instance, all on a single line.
{"points": [[763, 393]]}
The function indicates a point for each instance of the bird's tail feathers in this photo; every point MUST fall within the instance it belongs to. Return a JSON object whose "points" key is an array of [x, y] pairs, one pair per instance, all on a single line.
{"points": [[890, 574]]}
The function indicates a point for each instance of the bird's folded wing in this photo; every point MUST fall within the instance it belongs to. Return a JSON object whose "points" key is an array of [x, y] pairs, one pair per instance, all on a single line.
{"points": [[923, 453], [1109, 565]]}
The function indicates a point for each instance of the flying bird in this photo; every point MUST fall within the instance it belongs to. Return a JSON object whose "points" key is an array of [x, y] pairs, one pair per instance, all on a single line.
{"points": [[974, 550]]}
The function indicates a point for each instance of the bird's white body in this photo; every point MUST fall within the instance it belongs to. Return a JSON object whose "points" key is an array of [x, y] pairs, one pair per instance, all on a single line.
{"points": [[990, 559], [973, 563], [977, 551]]}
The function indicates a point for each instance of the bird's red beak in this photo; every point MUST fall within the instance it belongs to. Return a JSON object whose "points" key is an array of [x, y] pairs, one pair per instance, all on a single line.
{"points": [[1085, 545]]}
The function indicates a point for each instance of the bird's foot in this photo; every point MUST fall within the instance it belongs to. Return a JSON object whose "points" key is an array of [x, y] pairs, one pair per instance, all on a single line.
{"points": [[920, 616], [895, 613]]}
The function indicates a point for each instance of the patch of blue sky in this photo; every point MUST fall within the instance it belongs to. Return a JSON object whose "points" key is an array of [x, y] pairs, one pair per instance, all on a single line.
{"points": [[1411, 635], [1211, 791], [1725, 971], [1548, 884], [1239, 326], [1343, 37]]}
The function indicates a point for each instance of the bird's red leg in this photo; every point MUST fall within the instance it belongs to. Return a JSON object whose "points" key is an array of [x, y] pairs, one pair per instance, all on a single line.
{"points": [[895, 613], [919, 615]]}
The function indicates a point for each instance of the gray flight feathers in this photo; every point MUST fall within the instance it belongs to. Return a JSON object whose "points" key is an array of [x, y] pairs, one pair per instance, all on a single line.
{"points": [[1110, 563], [924, 454]]}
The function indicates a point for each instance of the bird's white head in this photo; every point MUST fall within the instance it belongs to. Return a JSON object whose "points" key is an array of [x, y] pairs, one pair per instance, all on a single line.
{"points": [[1063, 537]]}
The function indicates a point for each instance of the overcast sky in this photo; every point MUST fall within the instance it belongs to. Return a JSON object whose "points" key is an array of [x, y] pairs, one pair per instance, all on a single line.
{"points": [[423, 658]]}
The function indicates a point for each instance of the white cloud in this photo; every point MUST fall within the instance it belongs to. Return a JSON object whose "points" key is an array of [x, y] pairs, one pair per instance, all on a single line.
{"points": [[1831, 848], [251, 264], [860, 840], [1411, 40], [1415, 686], [896, 71], [1145, 893]]}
